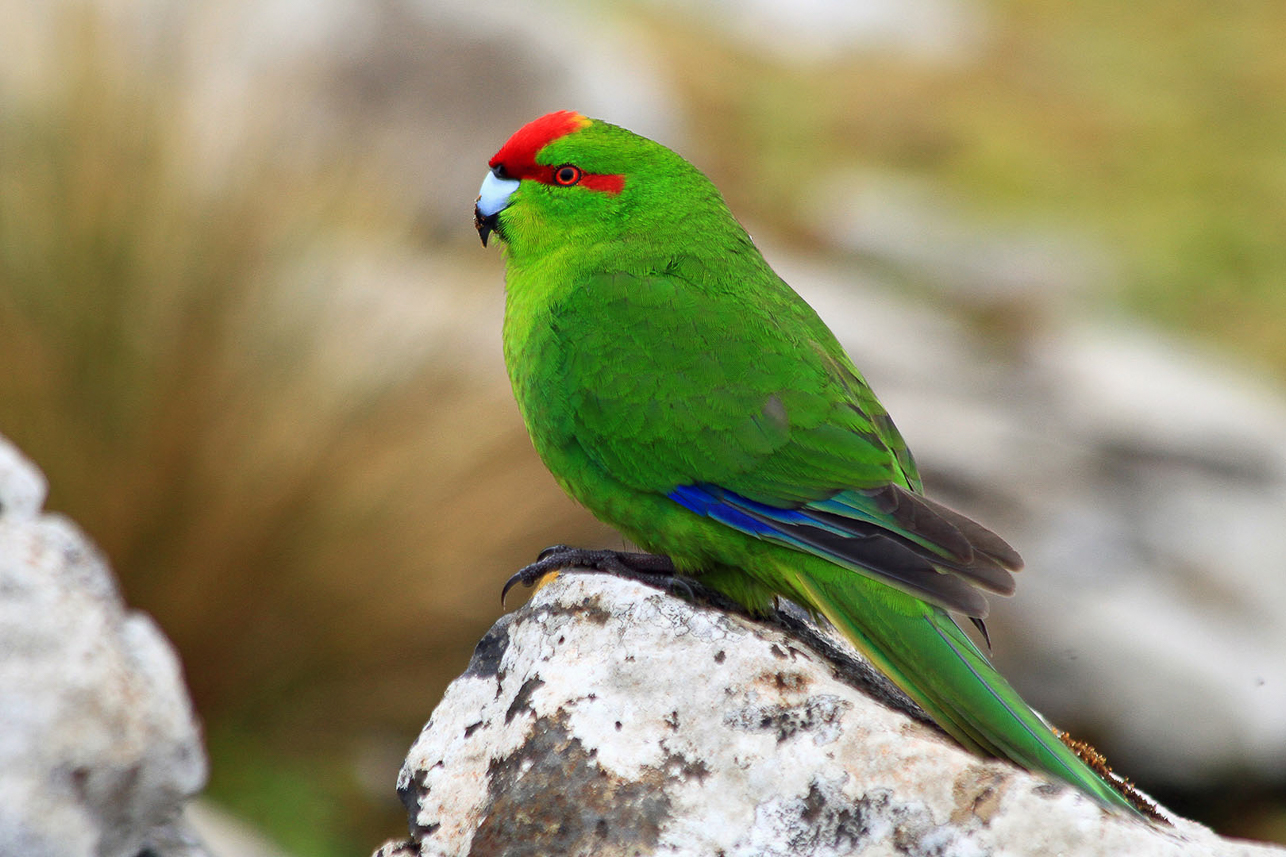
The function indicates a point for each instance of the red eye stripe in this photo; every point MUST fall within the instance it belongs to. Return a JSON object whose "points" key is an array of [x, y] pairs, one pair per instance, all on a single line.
{"points": [[544, 173], [607, 183], [517, 157]]}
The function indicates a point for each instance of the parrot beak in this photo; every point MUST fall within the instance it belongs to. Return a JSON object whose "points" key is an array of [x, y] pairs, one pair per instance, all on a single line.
{"points": [[492, 199], [485, 224]]}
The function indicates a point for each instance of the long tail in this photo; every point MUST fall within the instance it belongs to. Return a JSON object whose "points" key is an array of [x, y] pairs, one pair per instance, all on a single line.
{"points": [[926, 654]]}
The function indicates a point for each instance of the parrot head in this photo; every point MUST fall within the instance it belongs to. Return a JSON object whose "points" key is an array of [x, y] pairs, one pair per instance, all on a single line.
{"points": [[567, 181], [526, 157]]}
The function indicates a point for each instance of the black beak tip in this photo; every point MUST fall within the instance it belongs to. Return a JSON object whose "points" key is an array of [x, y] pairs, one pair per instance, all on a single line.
{"points": [[485, 224]]}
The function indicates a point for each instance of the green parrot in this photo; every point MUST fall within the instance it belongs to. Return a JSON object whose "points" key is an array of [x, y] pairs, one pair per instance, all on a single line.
{"points": [[680, 390]]}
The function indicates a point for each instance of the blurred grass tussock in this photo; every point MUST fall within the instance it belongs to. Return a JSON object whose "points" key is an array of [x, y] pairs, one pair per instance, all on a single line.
{"points": [[300, 522]]}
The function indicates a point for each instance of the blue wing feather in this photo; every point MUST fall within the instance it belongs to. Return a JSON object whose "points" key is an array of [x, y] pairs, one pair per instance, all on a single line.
{"points": [[850, 530]]}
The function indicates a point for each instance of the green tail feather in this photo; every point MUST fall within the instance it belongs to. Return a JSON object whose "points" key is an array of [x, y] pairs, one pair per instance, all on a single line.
{"points": [[927, 655]]}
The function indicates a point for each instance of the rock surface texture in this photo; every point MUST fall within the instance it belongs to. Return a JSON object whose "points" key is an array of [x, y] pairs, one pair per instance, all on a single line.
{"points": [[99, 748], [609, 718]]}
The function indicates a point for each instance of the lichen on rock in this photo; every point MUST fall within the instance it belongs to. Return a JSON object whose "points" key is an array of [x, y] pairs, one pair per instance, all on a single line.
{"points": [[606, 718]]}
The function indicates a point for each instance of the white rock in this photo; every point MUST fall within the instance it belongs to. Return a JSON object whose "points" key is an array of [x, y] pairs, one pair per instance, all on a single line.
{"points": [[22, 485], [813, 31], [607, 717], [921, 231], [99, 747]]}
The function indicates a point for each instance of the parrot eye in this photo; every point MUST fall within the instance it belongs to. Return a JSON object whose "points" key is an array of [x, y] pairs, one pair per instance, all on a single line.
{"points": [[567, 175]]}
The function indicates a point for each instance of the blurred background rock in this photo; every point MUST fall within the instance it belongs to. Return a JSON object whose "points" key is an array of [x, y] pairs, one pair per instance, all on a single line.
{"points": [[247, 332]]}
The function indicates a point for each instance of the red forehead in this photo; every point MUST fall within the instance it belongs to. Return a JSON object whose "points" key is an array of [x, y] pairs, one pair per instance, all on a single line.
{"points": [[519, 153]]}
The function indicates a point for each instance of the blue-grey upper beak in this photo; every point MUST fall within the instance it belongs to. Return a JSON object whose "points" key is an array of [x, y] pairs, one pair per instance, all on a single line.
{"points": [[492, 199]]}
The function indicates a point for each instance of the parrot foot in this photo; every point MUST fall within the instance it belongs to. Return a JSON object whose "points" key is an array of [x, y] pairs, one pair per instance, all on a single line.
{"points": [[649, 568]]}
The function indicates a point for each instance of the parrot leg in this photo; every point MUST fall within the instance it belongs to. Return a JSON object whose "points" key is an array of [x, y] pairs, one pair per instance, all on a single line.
{"points": [[649, 568]]}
